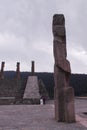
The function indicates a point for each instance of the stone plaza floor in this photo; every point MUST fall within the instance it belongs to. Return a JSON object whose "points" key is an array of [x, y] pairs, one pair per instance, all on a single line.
{"points": [[40, 117]]}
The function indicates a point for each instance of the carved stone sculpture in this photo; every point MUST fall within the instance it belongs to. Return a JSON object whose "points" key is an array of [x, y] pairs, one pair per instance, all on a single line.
{"points": [[64, 94]]}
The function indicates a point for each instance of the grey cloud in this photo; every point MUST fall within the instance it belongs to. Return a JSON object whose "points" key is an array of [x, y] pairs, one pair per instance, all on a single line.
{"points": [[30, 22]]}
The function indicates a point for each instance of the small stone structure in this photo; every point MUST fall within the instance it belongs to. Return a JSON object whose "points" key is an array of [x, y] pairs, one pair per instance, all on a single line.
{"points": [[18, 71], [32, 68], [31, 94], [64, 94], [2, 70]]}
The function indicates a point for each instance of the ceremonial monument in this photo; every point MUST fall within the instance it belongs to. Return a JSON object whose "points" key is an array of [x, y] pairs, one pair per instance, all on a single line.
{"points": [[64, 94], [31, 94], [21, 89]]}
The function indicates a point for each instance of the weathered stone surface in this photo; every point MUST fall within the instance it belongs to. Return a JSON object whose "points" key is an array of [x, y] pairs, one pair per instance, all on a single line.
{"points": [[7, 100], [32, 88], [64, 104], [69, 101], [58, 19], [42, 89], [10, 88]]}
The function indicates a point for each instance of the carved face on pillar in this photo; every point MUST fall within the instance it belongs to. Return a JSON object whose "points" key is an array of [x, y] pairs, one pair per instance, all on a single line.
{"points": [[58, 19], [59, 34], [59, 28]]}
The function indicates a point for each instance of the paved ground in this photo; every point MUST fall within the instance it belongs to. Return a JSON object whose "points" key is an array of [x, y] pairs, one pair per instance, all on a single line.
{"points": [[39, 117]]}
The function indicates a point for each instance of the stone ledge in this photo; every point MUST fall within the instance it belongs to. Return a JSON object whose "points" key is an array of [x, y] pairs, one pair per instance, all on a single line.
{"points": [[7, 100], [7, 97], [31, 101]]}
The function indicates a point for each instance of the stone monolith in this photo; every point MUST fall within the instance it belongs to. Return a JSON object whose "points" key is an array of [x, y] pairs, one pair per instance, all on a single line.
{"points": [[64, 94]]}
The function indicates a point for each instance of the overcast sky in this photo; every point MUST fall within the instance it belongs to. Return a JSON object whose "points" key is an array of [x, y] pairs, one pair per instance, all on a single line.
{"points": [[26, 33]]}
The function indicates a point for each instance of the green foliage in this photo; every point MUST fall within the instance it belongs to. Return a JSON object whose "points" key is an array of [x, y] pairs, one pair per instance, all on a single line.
{"points": [[79, 83]]}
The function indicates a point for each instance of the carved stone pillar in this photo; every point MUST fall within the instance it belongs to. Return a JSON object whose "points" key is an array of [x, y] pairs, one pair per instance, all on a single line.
{"points": [[64, 94]]}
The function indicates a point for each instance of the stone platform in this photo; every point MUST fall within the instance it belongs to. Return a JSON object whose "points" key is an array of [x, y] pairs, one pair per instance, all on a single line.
{"points": [[39, 117]]}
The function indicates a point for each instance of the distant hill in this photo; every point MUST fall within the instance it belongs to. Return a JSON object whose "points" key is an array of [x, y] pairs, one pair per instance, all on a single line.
{"points": [[77, 81]]}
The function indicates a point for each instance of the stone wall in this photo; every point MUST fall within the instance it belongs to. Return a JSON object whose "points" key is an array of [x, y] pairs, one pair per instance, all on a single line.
{"points": [[12, 91], [12, 88]]}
